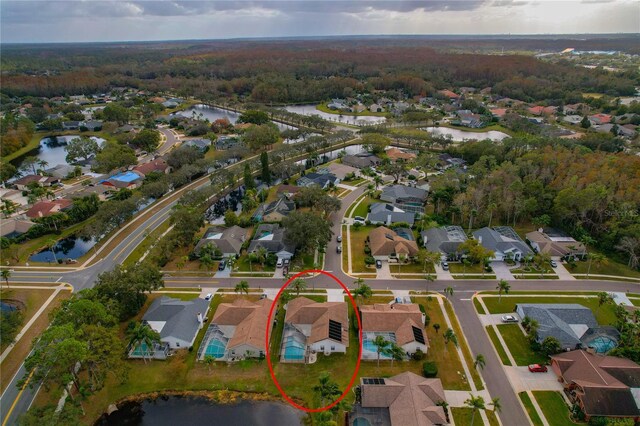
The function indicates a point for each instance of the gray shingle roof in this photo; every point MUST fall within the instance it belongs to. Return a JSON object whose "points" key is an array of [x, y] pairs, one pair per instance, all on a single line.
{"points": [[495, 241], [388, 214], [445, 239], [399, 193], [180, 317], [272, 237], [566, 322]]}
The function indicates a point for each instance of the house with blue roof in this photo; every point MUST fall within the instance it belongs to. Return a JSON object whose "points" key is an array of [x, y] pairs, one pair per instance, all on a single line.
{"points": [[129, 179]]}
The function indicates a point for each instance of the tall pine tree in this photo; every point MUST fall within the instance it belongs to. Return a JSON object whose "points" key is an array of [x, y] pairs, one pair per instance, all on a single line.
{"points": [[266, 174], [248, 178]]}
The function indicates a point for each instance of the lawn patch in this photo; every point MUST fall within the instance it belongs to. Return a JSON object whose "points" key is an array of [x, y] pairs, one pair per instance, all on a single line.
{"points": [[519, 346], [496, 344], [528, 405], [478, 306], [463, 345], [554, 408]]}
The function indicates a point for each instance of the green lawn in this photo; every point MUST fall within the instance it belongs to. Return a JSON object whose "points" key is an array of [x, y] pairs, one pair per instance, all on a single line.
{"points": [[450, 369], [636, 302], [358, 237], [462, 417], [554, 408], [479, 308], [146, 244], [528, 405], [243, 265], [363, 208], [463, 345], [496, 344], [459, 268], [604, 315], [412, 268], [611, 268], [519, 345]]}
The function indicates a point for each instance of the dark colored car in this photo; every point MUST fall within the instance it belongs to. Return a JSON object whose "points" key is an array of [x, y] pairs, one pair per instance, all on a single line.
{"points": [[222, 266], [378, 264]]}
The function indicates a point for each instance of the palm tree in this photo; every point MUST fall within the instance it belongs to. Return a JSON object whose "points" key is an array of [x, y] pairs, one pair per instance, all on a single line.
{"points": [[436, 327], [395, 352], [326, 388], [479, 362], [51, 243], [448, 292], [143, 335], [450, 336], [377, 180], [503, 286], [475, 403], [6, 274], [298, 285], [381, 345], [285, 297], [598, 259], [43, 164], [604, 298], [362, 291], [425, 256], [497, 406], [242, 287], [261, 254], [209, 360], [206, 261]]}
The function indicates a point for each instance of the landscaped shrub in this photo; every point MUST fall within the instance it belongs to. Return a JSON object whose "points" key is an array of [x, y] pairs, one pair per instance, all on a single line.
{"points": [[429, 369], [367, 250], [369, 260]]}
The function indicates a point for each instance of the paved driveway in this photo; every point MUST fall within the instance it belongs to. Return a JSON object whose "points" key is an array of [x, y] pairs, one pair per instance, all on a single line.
{"points": [[502, 271], [384, 273], [523, 380], [496, 319], [562, 272], [441, 274]]}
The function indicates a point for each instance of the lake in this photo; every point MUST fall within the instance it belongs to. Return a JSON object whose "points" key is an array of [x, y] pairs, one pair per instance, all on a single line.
{"points": [[52, 150], [206, 112], [462, 135], [346, 119], [68, 248], [332, 155], [175, 410]]}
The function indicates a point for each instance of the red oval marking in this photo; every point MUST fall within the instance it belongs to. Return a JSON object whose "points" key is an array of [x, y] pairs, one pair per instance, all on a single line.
{"points": [[355, 372]]}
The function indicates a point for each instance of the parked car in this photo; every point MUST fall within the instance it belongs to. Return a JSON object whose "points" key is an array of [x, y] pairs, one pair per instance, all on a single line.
{"points": [[339, 249], [263, 296], [537, 368], [509, 318], [208, 296], [339, 239], [445, 266], [279, 263], [378, 264], [222, 265], [286, 262], [554, 264], [358, 219]]}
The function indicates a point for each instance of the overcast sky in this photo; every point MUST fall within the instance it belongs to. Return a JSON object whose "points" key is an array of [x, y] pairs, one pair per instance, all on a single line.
{"points": [[97, 20]]}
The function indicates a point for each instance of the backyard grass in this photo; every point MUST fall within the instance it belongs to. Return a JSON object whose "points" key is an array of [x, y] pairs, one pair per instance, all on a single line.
{"points": [[462, 417], [463, 345], [528, 405], [33, 300], [605, 315], [450, 370], [498, 346], [554, 408], [519, 346]]}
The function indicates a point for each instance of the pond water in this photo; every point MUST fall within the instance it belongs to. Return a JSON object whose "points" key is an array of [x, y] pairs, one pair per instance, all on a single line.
{"points": [[52, 150], [7, 307], [462, 135], [332, 155], [346, 119], [205, 112], [68, 248], [176, 410]]}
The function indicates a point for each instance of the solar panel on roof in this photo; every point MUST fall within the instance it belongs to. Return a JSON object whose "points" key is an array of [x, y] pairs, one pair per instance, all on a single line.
{"points": [[417, 335], [335, 330], [373, 381]]}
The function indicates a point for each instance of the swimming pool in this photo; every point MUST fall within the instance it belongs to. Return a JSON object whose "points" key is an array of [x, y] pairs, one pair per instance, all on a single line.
{"points": [[292, 349], [602, 344], [216, 348], [369, 349]]}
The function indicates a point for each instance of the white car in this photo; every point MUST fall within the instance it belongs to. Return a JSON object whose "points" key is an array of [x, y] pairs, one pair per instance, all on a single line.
{"points": [[279, 263], [208, 296], [509, 318]]}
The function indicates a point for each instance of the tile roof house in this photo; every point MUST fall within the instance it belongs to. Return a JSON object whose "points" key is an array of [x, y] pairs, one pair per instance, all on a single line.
{"points": [[385, 242], [449, 94], [601, 385], [542, 110], [10, 228], [155, 165], [323, 180], [238, 330], [503, 241], [555, 243], [14, 196], [387, 214], [404, 197], [23, 183], [272, 237], [287, 190], [498, 112], [469, 119], [445, 240], [402, 324], [572, 324], [176, 320], [274, 211], [228, 240], [396, 154], [600, 118], [322, 327], [361, 160], [48, 208], [404, 399]]}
